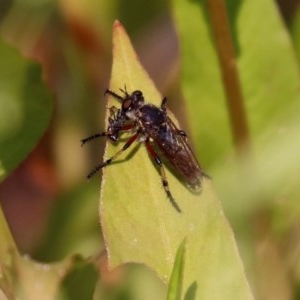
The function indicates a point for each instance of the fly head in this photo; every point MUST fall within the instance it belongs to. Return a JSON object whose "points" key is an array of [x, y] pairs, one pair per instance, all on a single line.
{"points": [[132, 103]]}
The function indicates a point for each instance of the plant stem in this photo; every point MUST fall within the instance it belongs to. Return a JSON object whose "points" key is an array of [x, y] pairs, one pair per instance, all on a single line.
{"points": [[227, 59]]}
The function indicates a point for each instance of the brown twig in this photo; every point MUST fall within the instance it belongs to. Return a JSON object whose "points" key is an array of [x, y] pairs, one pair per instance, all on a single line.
{"points": [[227, 59]]}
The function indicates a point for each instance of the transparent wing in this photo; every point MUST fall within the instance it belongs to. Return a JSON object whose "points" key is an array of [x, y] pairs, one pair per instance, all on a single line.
{"points": [[174, 144]]}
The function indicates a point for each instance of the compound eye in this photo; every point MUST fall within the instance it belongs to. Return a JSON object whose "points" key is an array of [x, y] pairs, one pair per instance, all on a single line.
{"points": [[126, 104]]}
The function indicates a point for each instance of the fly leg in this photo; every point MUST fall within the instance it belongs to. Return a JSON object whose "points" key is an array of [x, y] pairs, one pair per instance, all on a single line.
{"points": [[165, 183], [108, 161], [93, 137], [107, 133], [109, 92]]}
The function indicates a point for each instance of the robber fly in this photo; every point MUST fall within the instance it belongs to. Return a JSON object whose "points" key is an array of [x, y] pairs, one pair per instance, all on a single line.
{"points": [[152, 126]]}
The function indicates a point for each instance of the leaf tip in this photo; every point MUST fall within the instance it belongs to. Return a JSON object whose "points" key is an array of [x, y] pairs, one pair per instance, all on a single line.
{"points": [[117, 24]]}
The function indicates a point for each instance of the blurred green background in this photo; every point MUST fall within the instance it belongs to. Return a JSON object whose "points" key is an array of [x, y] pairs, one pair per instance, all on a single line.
{"points": [[50, 207]]}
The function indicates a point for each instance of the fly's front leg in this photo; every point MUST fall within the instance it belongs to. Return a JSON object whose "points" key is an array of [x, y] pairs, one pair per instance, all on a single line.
{"points": [[109, 92], [113, 113], [108, 134], [165, 183], [93, 137]]}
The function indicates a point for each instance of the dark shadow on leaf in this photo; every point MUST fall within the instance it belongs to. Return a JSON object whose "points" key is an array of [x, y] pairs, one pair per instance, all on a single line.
{"points": [[127, 155]]}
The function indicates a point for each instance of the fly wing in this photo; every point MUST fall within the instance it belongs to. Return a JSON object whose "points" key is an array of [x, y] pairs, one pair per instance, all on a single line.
{"points": [[175, 147]]}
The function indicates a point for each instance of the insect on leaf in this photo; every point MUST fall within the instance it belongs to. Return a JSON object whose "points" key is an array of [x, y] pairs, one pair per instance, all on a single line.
{"points": [[139, 223]]}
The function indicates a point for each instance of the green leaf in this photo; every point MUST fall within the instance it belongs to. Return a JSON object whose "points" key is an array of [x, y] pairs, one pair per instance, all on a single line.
{"points": [[73, 219], [7, 251], [138, 221], [80, 281], [25, 107], [175, 285], [267, 183], [296, 32], [270, 82], [23, 278], [269, 78]]}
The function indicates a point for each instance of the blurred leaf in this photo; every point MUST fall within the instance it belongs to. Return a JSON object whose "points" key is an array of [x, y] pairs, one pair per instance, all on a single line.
{"points": [[139, 223], [268, 72], [147, 12], [270, 82], [175, 285], [201, 82], [73, 225], [25, 107], [4, 8], [132, 282], [80, 281], [23, 278], [296, 31], [62, 280], [7, 251], [269, 77]]}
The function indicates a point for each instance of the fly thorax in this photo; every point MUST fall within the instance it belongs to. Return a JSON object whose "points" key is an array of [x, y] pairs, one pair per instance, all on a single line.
{"points": [[152, 116]]}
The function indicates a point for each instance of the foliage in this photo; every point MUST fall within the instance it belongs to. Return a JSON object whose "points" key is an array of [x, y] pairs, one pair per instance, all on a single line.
{"points": [[254, 252]]}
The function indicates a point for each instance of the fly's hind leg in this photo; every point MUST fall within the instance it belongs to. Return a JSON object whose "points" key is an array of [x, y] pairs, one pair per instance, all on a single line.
{"points": [[108, 161], [165, 183]]}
